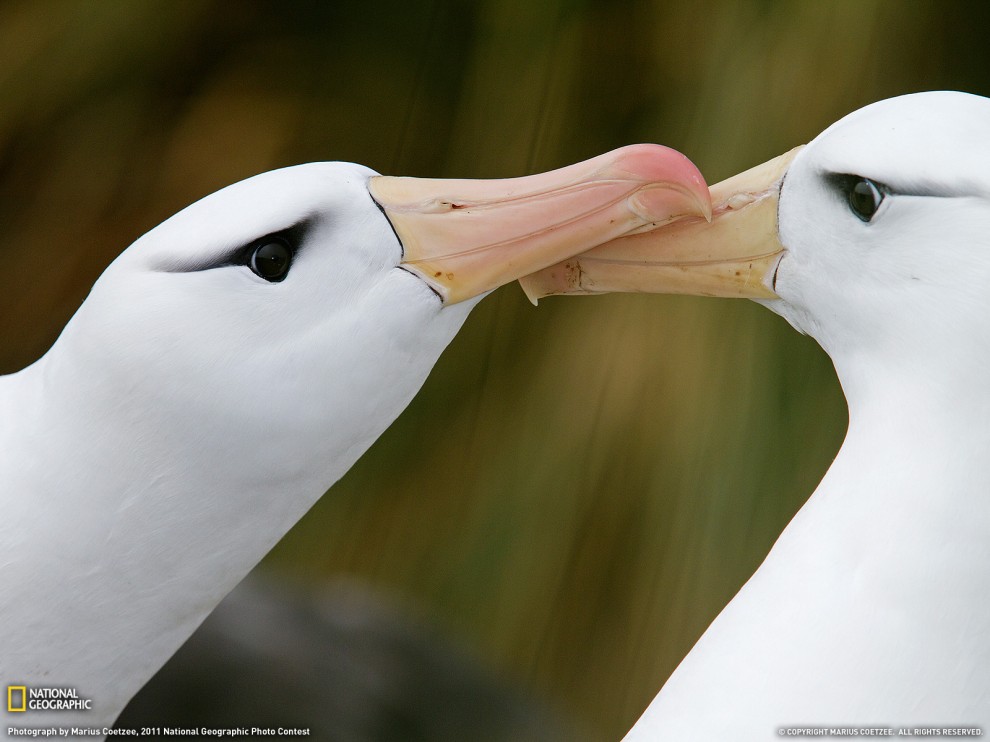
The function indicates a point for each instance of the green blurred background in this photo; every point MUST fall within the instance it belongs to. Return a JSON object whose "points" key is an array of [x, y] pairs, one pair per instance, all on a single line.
{"points": [[579, 488]]}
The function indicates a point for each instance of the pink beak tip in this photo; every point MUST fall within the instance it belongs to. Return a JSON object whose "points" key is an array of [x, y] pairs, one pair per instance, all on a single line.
{"points": [[654, 163]]}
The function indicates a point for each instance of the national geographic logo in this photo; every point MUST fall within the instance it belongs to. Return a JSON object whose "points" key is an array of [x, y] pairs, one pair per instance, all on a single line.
{"points": [[16, 698], [22, 698]]}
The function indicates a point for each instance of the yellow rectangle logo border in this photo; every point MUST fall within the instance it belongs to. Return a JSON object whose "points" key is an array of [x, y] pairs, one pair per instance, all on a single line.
{"points": [[10, 697]]}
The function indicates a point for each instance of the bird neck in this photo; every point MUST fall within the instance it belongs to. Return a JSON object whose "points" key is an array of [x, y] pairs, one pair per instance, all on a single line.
{"points": [[911, 475], [870, 603], [927, 386], [118, 536]]}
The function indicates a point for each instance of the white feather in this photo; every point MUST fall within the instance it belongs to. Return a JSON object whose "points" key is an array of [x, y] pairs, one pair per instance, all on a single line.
{"points": [[871, 609], [185, 419]]}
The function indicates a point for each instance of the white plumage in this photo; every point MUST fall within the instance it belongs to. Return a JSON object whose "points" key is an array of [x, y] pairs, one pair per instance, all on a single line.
{"points": [[203, 398], [871, 609], [187, 417]]}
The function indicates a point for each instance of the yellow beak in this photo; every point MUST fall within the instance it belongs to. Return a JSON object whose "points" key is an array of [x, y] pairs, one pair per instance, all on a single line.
{"points": [[466, 237], [735, 254]]}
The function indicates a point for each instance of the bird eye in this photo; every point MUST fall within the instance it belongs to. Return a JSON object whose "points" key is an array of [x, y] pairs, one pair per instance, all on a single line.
{"points": [[270, 259], [865, 198]]}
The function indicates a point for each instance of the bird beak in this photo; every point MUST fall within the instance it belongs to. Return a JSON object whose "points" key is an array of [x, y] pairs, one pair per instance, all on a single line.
{"points": [[466, 237], [734, 254]]}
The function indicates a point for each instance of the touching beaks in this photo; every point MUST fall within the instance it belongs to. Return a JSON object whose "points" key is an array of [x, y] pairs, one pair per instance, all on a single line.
{"points": [[734, 254], [466, 237]]}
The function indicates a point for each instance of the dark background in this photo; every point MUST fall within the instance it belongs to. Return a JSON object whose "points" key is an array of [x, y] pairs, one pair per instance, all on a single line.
{"points": [[579, 488]]}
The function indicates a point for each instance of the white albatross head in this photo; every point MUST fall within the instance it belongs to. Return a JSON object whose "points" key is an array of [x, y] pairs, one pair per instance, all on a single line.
{"points": [[292, 316], [230, 366], [885, 223]]}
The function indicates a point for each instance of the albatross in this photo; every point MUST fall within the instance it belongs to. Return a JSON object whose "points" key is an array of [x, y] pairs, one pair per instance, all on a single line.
{"points": [[871, 610], [227, 368]]}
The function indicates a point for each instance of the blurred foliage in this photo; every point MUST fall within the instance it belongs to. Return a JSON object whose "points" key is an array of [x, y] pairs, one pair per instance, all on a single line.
{"points": [[579, 488]]}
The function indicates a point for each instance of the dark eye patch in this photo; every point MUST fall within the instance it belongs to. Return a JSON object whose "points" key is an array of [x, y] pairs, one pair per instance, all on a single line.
{"points": [[283, 246]]}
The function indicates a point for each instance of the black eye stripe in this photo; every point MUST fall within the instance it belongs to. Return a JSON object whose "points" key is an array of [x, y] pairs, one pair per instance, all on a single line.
{"points": [[293, 236]]}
